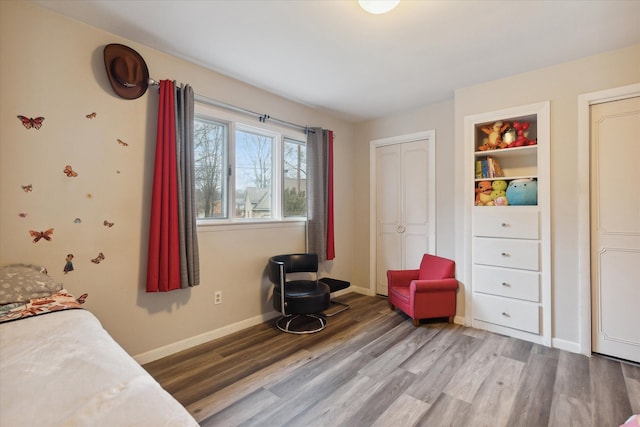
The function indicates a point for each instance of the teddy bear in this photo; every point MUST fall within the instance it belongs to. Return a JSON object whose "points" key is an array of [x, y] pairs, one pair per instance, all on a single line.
{"points": [[483, 193]]}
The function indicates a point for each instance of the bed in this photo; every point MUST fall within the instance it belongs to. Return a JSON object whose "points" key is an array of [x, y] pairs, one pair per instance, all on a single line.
{"points": [[60, 367]]}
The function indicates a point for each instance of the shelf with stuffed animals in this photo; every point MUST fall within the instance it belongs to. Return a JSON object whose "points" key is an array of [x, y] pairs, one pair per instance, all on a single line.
{"points": [[508, 246], [506, 161]]}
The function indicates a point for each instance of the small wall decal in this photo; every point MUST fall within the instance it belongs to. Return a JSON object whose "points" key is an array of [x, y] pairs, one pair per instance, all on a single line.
{"points": [[92, 115], [108, 224], [22, 214], [68, 170], [97, 259], [89, 196], [27, 188], [68, 266], [37, 235], [29, 123], [121, 142], [77, 221]]}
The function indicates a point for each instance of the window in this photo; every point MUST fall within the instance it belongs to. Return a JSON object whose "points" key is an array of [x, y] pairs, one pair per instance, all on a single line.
{"points": [[247, 172], [294, 189], [211, 165]]}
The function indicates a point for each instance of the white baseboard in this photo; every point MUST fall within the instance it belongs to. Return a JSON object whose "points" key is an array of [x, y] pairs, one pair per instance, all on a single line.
{"points": [[571, 346], [362, 291], [172, 348], [175, 347]]}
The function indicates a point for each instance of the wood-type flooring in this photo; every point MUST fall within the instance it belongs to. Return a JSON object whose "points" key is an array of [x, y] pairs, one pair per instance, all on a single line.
{"points": [[372, 367]]}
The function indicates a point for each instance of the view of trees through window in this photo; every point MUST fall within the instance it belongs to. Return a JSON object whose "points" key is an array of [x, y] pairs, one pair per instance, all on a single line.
{"points": [[210, 142], [254, 158], [295, 178], [252, 172]]}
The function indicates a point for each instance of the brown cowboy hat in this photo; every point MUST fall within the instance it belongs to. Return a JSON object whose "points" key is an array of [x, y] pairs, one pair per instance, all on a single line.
{"points": [[127, 71]]}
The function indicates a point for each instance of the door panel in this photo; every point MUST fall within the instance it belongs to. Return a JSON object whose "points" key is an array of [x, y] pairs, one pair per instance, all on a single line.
{"points": [[615, 228], [402, 182]]}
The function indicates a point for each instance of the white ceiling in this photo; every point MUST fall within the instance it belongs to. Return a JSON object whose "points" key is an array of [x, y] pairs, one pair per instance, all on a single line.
{"points": [[334, 56]]}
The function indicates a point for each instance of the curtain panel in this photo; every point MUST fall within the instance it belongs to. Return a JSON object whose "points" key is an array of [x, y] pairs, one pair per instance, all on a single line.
{"points": [[320, 220], [173, 245]]}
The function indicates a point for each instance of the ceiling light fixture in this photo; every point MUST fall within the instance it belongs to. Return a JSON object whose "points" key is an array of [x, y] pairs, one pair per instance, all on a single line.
{"points": [[378, 7]]}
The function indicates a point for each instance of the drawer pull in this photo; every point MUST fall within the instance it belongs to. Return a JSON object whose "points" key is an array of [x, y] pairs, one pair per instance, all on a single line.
{"points": [[504, 254], [504, 224], [505, 314], [505, 284]]}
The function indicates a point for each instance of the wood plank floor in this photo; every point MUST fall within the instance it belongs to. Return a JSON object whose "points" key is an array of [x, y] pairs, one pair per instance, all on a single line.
{"points": [[372, 367]]}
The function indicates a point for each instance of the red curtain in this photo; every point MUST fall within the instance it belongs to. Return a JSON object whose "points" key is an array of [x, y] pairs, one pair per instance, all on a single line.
{"points": [[163, 268], [331, 249]]}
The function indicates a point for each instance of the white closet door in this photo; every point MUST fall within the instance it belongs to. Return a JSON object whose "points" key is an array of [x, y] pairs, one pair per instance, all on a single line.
{"points": [[615, 228], [402, 211]]}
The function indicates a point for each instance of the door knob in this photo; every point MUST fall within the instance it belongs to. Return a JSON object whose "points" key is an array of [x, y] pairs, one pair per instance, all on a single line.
{"points": [[400, 229]]}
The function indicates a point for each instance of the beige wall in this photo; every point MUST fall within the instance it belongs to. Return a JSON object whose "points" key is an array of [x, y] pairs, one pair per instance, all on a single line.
{"points": [[561, 84], [53, 67]]}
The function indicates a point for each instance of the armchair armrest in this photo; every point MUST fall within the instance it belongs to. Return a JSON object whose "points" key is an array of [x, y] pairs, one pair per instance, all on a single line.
{"points": [[401, 278], [436, 285]]}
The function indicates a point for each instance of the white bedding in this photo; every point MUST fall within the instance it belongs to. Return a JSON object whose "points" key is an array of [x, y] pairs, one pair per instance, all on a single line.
{"points": [[64, 369]]}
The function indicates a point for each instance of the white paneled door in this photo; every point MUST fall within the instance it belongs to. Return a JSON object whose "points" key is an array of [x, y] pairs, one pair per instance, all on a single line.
{"points": [[403, 225], [615, 228]]}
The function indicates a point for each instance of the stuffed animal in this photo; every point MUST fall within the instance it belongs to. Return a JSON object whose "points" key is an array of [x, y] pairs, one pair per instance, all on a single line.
{"points": [[498, 193], [483, 192], [494, 136], [522, 135], [523, 192]]}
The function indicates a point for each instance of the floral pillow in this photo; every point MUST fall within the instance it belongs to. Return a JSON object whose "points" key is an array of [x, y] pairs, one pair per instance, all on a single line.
{"points": [[23, 282]]}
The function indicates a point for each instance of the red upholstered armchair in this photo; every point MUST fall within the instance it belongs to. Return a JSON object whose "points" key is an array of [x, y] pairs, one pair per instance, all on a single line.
{"points": [[427, 292]]}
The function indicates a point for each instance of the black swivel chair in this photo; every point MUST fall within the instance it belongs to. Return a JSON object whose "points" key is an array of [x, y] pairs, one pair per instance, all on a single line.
{"points": [[298, 299]]}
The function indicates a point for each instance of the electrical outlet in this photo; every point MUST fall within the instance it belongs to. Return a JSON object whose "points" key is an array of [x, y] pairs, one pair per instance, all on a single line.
{"points": [[217, 297]]}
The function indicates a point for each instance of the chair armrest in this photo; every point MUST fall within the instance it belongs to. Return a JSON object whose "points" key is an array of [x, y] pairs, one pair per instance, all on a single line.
{"points": [[436, 285], [401, 278]]}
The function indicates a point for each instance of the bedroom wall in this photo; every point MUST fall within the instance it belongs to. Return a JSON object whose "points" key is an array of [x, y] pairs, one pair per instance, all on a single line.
{"points": [[561, 84], [53, 67]]}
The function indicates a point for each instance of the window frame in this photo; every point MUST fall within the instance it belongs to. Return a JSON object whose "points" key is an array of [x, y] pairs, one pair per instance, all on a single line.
{"points": [[237, 121]]}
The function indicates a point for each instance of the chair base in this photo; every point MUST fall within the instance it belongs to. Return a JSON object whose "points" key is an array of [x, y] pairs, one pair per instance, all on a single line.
{"points": [[344, 307], [289, 325]]}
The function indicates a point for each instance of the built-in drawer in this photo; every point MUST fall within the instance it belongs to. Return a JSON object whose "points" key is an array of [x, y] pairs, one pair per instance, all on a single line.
{"points": [[515, 314], [507, 282], [510, 253], [505, 222]]}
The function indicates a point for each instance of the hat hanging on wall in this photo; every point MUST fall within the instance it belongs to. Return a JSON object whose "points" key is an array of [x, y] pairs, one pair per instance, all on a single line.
{"points": [[127, 71]]}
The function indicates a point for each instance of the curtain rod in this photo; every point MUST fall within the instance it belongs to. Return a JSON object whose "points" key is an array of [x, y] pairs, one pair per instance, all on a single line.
{"points": [[261, 117]]}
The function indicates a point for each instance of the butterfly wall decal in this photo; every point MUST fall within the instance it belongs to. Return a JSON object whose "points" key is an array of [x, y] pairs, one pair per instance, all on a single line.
{"points": [[37, 235], [121, 142], [27, 188], [29, 123], [91, 116], [97, 259], [68, 170], [108, 224]]}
